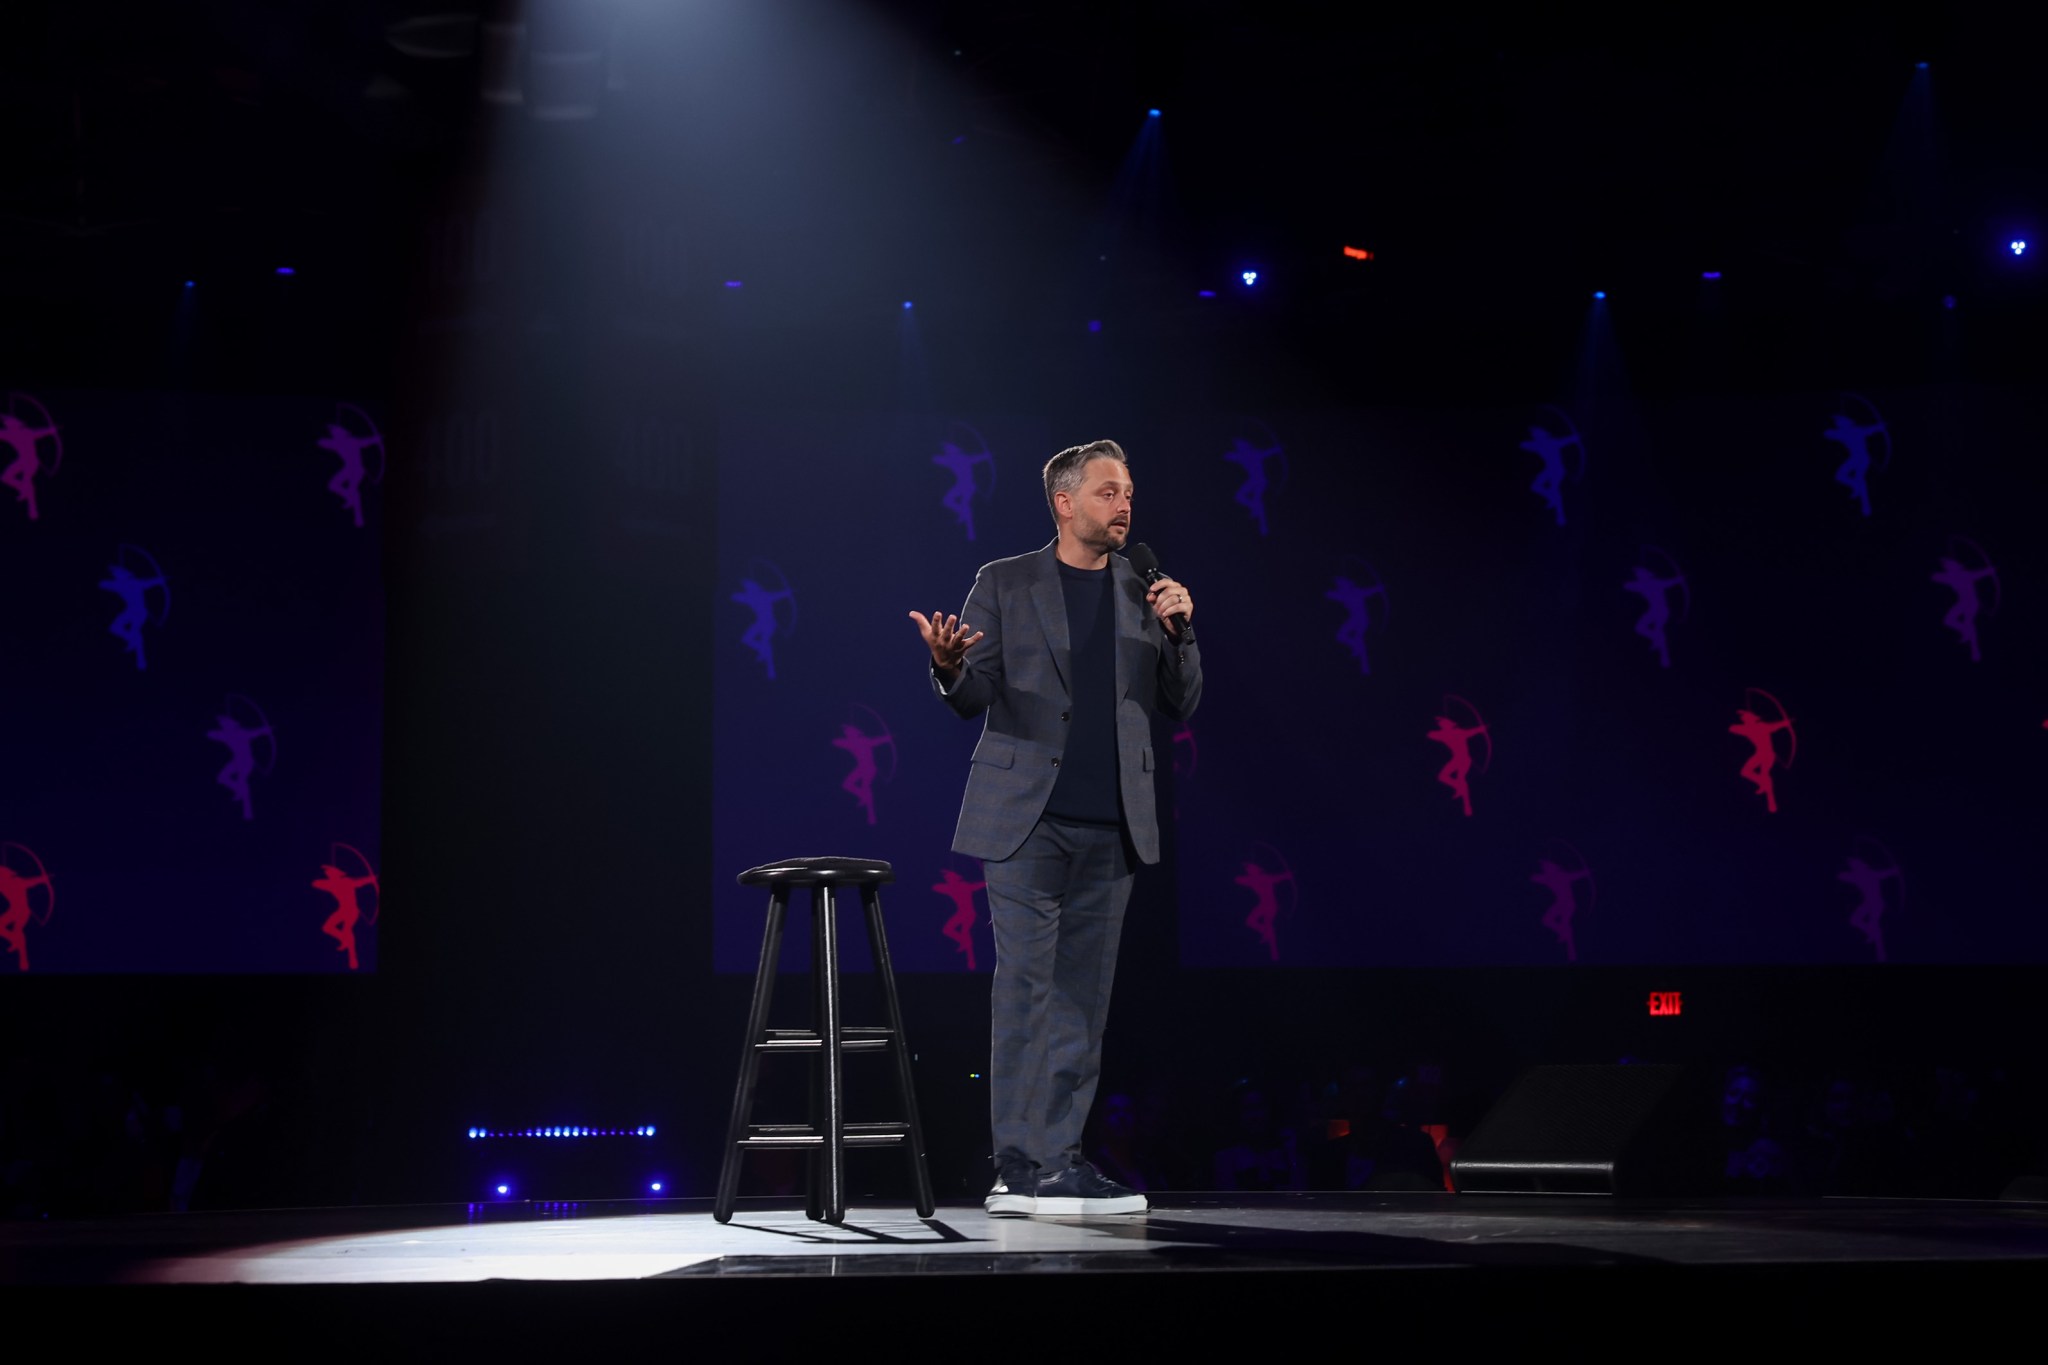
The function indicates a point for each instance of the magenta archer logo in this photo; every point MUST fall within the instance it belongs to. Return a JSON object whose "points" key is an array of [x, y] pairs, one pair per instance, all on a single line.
{"points": [[1961, 569], [22, 876], [1559, 878], [1867, 868], [25, 428], [862, 745], [766, 592], [350, 435], [1762, 735], [241, 726], [1355, 595], [961, 454], [1654, 587], [959, 926], [1457, 773], [1252, 451], [132, 576], [1555, 449], [1855, 436], [1263, 882], [346, 887]]}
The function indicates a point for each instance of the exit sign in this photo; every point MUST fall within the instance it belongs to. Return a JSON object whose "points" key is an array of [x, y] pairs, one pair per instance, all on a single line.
{"points": [[1665, 1002]]}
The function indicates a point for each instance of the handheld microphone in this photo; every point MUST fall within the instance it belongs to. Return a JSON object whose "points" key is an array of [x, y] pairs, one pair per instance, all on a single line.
{"points": [[1147, 565]]}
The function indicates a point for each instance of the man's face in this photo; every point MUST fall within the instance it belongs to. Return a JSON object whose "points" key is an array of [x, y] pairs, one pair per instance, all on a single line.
{"points": [[1101, 506]]}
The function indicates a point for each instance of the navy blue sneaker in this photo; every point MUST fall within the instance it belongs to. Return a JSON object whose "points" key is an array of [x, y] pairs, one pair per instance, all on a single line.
{"points": [[1015, 1192], [1082, 1191]]}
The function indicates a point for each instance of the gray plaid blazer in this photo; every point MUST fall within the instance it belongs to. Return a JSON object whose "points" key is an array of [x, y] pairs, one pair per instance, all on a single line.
{"points": [[1019, 674]]}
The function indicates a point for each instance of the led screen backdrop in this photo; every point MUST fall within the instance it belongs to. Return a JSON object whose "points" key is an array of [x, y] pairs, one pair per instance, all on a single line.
{"points": [[1701, 681], [194, 677]]}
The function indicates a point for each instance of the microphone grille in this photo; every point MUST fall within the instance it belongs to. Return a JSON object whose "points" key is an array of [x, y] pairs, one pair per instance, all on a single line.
{"points": [[1143, 560]]}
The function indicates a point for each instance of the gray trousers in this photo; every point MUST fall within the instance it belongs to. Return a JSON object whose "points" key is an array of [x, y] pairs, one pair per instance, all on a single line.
{"points": [[1057, 906]]}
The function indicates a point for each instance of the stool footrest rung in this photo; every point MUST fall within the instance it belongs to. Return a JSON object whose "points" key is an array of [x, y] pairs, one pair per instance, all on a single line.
{"points": [[804, 1135], [807, 1040]]}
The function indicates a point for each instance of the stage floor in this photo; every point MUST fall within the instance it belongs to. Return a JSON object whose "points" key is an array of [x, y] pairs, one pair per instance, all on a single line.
{"points": [[677, 1239]]}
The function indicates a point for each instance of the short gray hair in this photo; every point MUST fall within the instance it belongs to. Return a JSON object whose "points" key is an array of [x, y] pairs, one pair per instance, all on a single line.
{"points": [[1063, 471]]}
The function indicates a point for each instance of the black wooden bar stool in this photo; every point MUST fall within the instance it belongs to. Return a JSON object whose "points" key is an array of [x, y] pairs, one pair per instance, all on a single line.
{"points": [[827, 1136]]}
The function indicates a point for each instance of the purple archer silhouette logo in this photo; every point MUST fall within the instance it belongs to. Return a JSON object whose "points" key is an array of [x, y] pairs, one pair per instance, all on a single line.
{"points": [[774, 609], [860, 783], [133, 589], [1655, 588], [25, 439], [1960, 576], [348, 445], [1355, 596], [233, 728], [1186, 753], [1263, 882], [1253, 453], [959, 453], [1854, 438], [1550, 447], [959, 926], [1868, 867], [18, 903], [1763, 742], [1558, 878], [343, 886], [1456, 774]]}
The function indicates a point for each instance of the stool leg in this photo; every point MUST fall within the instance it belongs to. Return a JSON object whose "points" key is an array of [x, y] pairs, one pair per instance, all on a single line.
{"points": [[814, 1111], [750, 1057], [920, 1174], [829, 1034]]}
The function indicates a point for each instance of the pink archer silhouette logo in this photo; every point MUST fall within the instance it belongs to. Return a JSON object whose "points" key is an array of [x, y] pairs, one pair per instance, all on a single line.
{"points": [[25, 439], [1962, 568], [1252, 454], [1263, 882], [860, 782], [133, 589], [959, 926], [18, 901], [1550, 447], [774, 609], [1762, 735], [1457, 773], [343, 886], [240, 729], [1868, 867], [1655, 590], [348, 445], [1355, 596], [1854, 437], [959, 454], [1187, 755], [1558, 879]]}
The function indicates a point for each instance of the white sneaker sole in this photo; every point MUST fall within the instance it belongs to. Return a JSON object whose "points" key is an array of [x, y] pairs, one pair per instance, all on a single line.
{"points": [[1013, 1205], [1057, 1207]]}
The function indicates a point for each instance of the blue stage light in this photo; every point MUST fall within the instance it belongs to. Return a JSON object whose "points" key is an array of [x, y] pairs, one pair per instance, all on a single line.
{"points": [[1919, 66], [504, 1189], [906, 303], [1205, 293], [188, 284], [1095, 324], [286, 270], [1250, 277], [656, 1187], [1151, 113], [1948, 300], [2018, 246], [734, 284], [1710, 274], [1599, 293]]}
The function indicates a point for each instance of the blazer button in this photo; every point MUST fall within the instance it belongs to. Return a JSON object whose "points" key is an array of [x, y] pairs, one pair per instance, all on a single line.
{"points": [[1055, 763], [1063, 715]]}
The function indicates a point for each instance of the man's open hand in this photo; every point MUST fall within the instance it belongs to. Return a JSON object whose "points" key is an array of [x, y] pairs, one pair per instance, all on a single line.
{"points": [[947, 638]]}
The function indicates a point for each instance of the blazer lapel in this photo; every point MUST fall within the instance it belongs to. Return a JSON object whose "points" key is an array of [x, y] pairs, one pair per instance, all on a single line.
{"points": [[1051, 601], [1130, 618]]}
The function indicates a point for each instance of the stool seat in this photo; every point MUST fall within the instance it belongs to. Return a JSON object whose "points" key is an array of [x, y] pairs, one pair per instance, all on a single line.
{"points": [[818, 872]]}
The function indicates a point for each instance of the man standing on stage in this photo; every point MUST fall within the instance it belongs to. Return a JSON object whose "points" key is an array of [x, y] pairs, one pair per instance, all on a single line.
{"points": [[1070, 655]]}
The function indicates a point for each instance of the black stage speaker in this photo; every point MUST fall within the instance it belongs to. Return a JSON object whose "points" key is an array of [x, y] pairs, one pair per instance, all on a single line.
{"points": [[1590, 1130]]}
